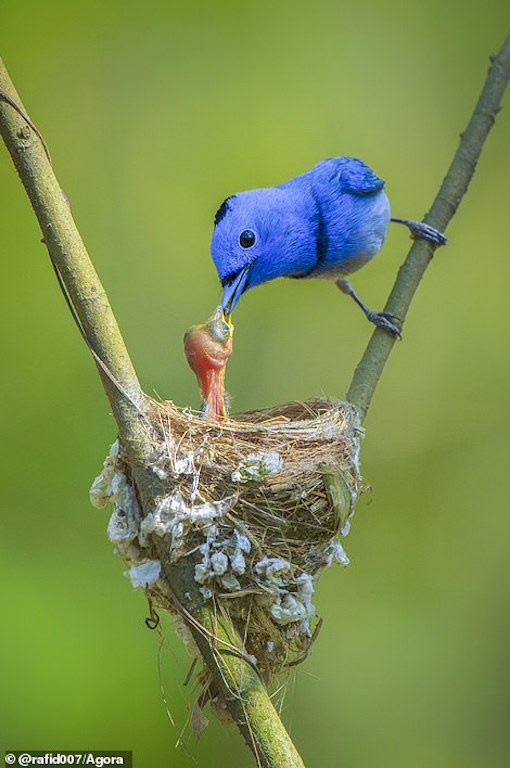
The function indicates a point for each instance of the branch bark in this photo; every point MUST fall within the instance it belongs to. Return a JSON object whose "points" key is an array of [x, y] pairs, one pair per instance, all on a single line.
{"points": [[453, 189]]}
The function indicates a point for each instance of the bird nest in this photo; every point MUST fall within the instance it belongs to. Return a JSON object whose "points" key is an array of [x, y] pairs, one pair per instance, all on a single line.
{"points": [[257, 502]]}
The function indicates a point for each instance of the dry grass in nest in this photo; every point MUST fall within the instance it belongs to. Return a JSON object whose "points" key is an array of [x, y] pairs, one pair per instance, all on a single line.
{"points": [[287, 512], [291, 475], [257, 501]]}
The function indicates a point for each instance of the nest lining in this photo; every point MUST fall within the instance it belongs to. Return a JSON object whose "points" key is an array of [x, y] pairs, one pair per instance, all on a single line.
{"points": [[258, 500]]}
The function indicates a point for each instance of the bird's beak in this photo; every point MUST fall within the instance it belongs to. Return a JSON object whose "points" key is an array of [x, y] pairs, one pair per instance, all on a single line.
{"points": [[233, 290]]}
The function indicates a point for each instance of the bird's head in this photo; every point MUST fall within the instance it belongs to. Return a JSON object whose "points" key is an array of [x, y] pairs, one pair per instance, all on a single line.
{"points": [[209, 345], [220, 328], [258, 235]]}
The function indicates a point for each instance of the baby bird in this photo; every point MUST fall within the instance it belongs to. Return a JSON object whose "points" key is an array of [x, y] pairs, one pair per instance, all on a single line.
{"points": [[208, 347], [327, 222]]}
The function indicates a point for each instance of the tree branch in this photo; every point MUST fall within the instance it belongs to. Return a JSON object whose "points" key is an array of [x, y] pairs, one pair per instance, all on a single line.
{"points": [[453, 189], [221, 648]]}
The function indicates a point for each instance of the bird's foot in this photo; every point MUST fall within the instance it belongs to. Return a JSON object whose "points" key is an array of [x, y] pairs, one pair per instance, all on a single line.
{"points": [[419, 229], [380, 319], [385, 320]]}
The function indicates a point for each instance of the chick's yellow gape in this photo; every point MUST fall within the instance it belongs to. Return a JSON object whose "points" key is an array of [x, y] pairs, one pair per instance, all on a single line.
{"points": [[208, 347]]}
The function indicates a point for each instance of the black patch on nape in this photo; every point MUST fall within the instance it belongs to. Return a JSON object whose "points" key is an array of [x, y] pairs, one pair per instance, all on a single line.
{"points": [[222, 210]]}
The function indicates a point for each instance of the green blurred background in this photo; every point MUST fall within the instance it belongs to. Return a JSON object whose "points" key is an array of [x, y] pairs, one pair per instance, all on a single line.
{"points": [[154, 113]]}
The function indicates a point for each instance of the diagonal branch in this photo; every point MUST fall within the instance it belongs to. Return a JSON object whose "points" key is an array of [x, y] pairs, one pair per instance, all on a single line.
{"points": [[220, 645], [453, 189]]}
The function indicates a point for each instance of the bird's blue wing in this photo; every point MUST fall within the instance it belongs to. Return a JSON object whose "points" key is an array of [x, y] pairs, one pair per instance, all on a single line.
{"points": [[357, 178]]}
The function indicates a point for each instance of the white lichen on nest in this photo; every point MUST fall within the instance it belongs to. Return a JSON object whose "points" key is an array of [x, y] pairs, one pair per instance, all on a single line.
{"points": [[257, 466], [258, 503], [123, 528]]}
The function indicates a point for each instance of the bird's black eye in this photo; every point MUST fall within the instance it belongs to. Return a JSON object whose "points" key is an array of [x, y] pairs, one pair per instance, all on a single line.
{"points": [[247, 238]]}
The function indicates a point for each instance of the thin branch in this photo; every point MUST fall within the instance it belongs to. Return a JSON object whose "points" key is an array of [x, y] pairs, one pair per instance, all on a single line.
{"points": [[453, 189]]}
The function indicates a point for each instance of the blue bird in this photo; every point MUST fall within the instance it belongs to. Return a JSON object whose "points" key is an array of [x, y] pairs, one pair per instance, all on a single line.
{"points": [[327, 222]]}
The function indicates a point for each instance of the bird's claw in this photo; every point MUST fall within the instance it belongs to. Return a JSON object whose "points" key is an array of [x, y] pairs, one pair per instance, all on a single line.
{"points": [[384, 320], [389, 316], [419, 229]]}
